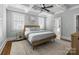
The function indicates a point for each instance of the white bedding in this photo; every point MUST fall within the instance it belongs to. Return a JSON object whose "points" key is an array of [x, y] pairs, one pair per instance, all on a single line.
{"points": [[35, 36]]}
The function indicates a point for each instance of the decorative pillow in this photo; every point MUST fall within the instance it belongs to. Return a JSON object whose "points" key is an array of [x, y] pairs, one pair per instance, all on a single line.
{"points": [[34, 29]]}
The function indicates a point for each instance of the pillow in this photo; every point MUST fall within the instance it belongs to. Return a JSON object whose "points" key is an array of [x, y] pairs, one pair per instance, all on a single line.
{"points": [[34, 29], [27, 31]]}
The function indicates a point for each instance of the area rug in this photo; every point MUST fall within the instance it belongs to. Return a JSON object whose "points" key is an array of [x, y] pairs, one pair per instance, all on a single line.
{"points": [[59, 47]]}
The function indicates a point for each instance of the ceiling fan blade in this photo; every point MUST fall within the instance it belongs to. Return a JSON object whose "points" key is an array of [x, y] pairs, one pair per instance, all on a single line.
{"points": [[49, 6], [47, 10]]}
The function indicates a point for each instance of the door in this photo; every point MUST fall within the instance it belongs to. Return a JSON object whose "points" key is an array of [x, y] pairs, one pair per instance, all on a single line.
{"points": [[77, 23], [58, 27]]}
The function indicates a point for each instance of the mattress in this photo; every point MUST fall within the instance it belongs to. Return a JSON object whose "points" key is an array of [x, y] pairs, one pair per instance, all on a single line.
{"points": [[35, 36]]}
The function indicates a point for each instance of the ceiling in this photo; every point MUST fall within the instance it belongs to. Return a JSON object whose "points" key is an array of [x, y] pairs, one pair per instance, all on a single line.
{"points": [[55, 9]]}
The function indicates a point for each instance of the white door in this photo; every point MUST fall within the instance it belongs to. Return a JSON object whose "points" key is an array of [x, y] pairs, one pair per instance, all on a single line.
{"points": [[58, 27]]}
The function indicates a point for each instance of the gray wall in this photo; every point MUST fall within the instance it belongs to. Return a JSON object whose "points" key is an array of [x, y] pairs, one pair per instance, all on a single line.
{"points": [[68, 24]]}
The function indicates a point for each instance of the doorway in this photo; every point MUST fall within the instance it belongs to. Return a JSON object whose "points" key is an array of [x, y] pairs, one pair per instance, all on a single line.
{"points": [[58, 27], [77, 23]]}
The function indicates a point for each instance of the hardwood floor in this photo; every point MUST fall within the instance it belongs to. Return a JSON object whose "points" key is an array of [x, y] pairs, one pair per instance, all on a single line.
{"points": [[7, 48]]}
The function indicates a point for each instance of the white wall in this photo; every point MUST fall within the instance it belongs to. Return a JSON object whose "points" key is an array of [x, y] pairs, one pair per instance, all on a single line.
{"points": [[3, 17], [31, 19], [68, 25], [50, 22]]}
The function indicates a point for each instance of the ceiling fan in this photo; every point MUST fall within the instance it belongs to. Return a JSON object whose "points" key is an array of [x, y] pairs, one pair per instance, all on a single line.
{"points": [[45, 8]]}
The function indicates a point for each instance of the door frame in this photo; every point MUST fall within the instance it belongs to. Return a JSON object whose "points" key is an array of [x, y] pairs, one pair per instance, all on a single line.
{"points": [[59, 24], [75, 21]]}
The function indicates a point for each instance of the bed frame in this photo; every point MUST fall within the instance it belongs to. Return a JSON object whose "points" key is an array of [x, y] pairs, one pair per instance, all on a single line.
{"points": [[36, 43]]}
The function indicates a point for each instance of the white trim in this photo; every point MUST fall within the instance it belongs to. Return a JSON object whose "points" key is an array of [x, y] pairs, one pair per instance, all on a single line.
{"points": [[59, 6], [74, 7], [59, 20], [2, 46], [75, 20]]}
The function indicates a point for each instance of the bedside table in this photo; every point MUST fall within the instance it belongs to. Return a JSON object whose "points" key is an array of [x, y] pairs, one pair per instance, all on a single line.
{"points": [[19, 36]]}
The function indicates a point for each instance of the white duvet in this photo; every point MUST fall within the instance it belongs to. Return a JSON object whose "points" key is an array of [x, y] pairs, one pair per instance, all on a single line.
{"points": [[35, 36]]}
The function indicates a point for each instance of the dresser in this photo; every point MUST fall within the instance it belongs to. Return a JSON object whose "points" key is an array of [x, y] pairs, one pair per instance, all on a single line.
{"points": [[75, 42]]}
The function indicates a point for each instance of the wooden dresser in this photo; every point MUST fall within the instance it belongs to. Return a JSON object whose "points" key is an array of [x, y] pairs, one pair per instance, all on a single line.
{"points": [[75, 42]]}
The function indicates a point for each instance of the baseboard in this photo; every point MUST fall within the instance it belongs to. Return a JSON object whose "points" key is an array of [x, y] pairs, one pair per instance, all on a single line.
{"points": [[66, 38], [2, 46]]}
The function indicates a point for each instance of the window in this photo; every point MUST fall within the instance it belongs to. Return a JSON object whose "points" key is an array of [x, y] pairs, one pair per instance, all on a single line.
{"points": [[18, 21], [42, 22]]}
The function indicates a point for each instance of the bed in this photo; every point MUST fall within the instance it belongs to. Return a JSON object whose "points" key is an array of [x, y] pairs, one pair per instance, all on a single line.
{"points": [[35, 36]]}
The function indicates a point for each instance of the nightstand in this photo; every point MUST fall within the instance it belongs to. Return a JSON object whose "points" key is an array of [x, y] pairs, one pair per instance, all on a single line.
{"points": [[19, 36]]}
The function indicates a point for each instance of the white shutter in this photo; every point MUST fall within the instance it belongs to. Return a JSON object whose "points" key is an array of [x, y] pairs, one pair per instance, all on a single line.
{"points": [[18, 21]]}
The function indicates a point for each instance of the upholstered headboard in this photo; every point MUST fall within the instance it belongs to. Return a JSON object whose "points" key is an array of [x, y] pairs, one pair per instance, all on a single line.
{"points": [[32, 27]]}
